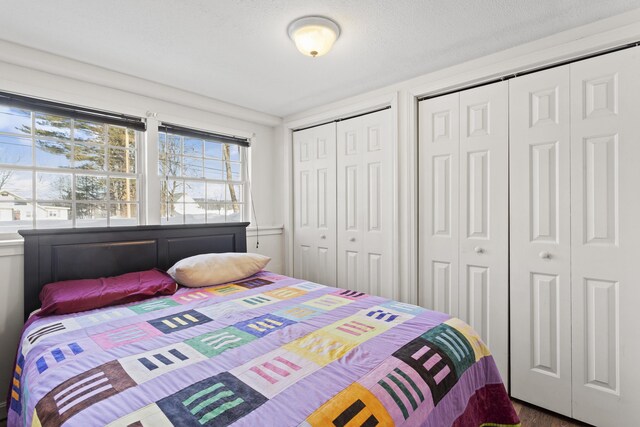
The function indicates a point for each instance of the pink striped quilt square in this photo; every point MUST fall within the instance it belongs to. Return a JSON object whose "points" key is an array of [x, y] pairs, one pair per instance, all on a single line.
{"points": [[125, 335]]}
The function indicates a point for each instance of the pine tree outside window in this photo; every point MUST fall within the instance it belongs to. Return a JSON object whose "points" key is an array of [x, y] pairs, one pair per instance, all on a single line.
{"points": [[58, 171]]}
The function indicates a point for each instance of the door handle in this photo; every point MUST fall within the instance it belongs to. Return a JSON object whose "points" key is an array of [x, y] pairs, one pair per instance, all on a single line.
{"points": [[544, 255], [323, 237], [478, 250], [353, 239]]}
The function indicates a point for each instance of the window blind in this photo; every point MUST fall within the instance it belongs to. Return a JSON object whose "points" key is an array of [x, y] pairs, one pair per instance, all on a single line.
{"points": [[72, 111], [195, 133]]}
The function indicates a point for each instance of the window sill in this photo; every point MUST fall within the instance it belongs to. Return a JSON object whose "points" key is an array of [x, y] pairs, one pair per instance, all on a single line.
{"points": [[8, 239], [11, 245]]}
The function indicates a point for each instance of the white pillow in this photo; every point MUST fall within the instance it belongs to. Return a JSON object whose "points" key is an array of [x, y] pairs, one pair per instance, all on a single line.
{"points": [[214, 269]]}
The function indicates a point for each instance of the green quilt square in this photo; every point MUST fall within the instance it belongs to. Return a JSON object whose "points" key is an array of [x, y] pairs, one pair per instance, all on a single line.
{"points": [[154, 305], [454, 344], [216, 342]]}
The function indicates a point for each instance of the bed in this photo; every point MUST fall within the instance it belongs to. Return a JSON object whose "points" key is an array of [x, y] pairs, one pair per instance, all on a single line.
{"points": [[262, 351]]}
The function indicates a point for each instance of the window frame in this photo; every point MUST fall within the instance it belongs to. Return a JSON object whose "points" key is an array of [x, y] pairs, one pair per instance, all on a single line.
{"points": [[34, 169], [244, 182]]}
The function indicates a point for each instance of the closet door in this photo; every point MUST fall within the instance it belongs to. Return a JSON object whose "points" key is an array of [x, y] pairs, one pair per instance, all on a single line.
{"points": [[438, 203], [539, 149], [365, 204], [484, 216], [605, 232], [314, 186]]}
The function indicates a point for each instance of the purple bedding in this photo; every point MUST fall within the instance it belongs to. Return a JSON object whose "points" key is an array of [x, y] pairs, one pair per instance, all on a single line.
{"points": [[268, 350]]}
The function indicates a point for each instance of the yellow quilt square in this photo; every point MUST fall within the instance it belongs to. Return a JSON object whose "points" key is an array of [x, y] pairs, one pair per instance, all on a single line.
{"points": [[286, 293], [353, 406], [225, 290], [320, 347]]}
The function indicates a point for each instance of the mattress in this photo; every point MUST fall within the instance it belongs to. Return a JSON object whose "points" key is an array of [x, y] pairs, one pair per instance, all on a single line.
{"points": [[266, 351]]}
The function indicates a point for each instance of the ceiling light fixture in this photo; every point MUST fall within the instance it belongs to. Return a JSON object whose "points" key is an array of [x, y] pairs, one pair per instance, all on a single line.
{"points": [[314, 35]]}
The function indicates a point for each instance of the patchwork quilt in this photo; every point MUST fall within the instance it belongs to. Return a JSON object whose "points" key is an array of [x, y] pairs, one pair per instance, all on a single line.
{"points": [[266, 351]]}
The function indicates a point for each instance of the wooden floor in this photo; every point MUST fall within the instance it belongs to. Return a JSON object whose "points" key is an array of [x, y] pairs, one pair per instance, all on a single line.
{"points": [[532, 416]]}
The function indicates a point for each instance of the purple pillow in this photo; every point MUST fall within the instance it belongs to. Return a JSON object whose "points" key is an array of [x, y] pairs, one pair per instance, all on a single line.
{"points": [[71, 296]]}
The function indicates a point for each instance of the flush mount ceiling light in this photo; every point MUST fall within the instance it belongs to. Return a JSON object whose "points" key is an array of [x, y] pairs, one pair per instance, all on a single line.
{"points": [[314, 35]]}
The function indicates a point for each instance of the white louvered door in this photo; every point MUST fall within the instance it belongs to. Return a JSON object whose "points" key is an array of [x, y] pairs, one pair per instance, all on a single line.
{"points": [[314, 186], [439, 205], [484, 217], [605, 233], [464, 212], [365, 204], [539, 150]]}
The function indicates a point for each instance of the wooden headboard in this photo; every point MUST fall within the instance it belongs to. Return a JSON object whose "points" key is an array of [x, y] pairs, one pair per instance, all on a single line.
{"points": [[66, 254]]}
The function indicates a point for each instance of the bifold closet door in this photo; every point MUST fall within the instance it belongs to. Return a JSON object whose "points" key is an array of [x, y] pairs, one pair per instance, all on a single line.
{"points": [[464, 217], [605, 233], [439, 147], [314, 186], [365, 204], [539, 150], [484, 217]]}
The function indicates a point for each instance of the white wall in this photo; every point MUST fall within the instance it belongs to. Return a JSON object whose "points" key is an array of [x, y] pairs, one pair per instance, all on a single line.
{"points": [[31, 72], [11, 318]]}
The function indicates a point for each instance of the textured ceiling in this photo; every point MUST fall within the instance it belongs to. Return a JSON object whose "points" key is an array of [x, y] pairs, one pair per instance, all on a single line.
{"points": [[238, 50]]}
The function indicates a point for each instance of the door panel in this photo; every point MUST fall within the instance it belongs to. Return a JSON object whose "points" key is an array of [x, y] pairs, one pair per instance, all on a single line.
{"points": [[600, 188], [375, 274], [543, 165], [304, 261], [441, 279], [323, 198], [305, 198], [438, 203], [373, 197], [477, 194], [539, 149], [365, 204], [477, 299], [484, 216], [314, 187], [544, 323], [351, 197], [605, 203]]}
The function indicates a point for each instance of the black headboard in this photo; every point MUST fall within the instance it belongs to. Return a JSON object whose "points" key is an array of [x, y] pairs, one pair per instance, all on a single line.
{"points": [[88, 253]]}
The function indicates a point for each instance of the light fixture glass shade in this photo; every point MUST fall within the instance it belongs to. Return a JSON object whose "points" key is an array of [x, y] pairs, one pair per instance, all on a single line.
{"points": [[314, 35]]}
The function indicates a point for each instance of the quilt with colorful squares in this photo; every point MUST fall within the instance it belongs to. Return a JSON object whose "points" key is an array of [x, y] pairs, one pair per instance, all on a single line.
{"points": [[266, 351]]}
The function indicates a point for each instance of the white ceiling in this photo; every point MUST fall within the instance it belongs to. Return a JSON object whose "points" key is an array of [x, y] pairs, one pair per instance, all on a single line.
{"points": [[238, 51]]}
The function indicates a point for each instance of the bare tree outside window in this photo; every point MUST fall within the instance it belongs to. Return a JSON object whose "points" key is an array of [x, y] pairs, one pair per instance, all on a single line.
{"points": [[201, 180], [170, 151], [4, 178], [232, 190]]}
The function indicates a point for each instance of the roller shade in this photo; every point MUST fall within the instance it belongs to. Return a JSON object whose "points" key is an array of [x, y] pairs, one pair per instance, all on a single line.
{"points": [[72, 111], [195, 133]]}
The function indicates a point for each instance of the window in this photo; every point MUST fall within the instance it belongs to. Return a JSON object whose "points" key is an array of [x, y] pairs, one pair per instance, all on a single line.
{"points": [[62, 168], [67, 166], [203, 176]]}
